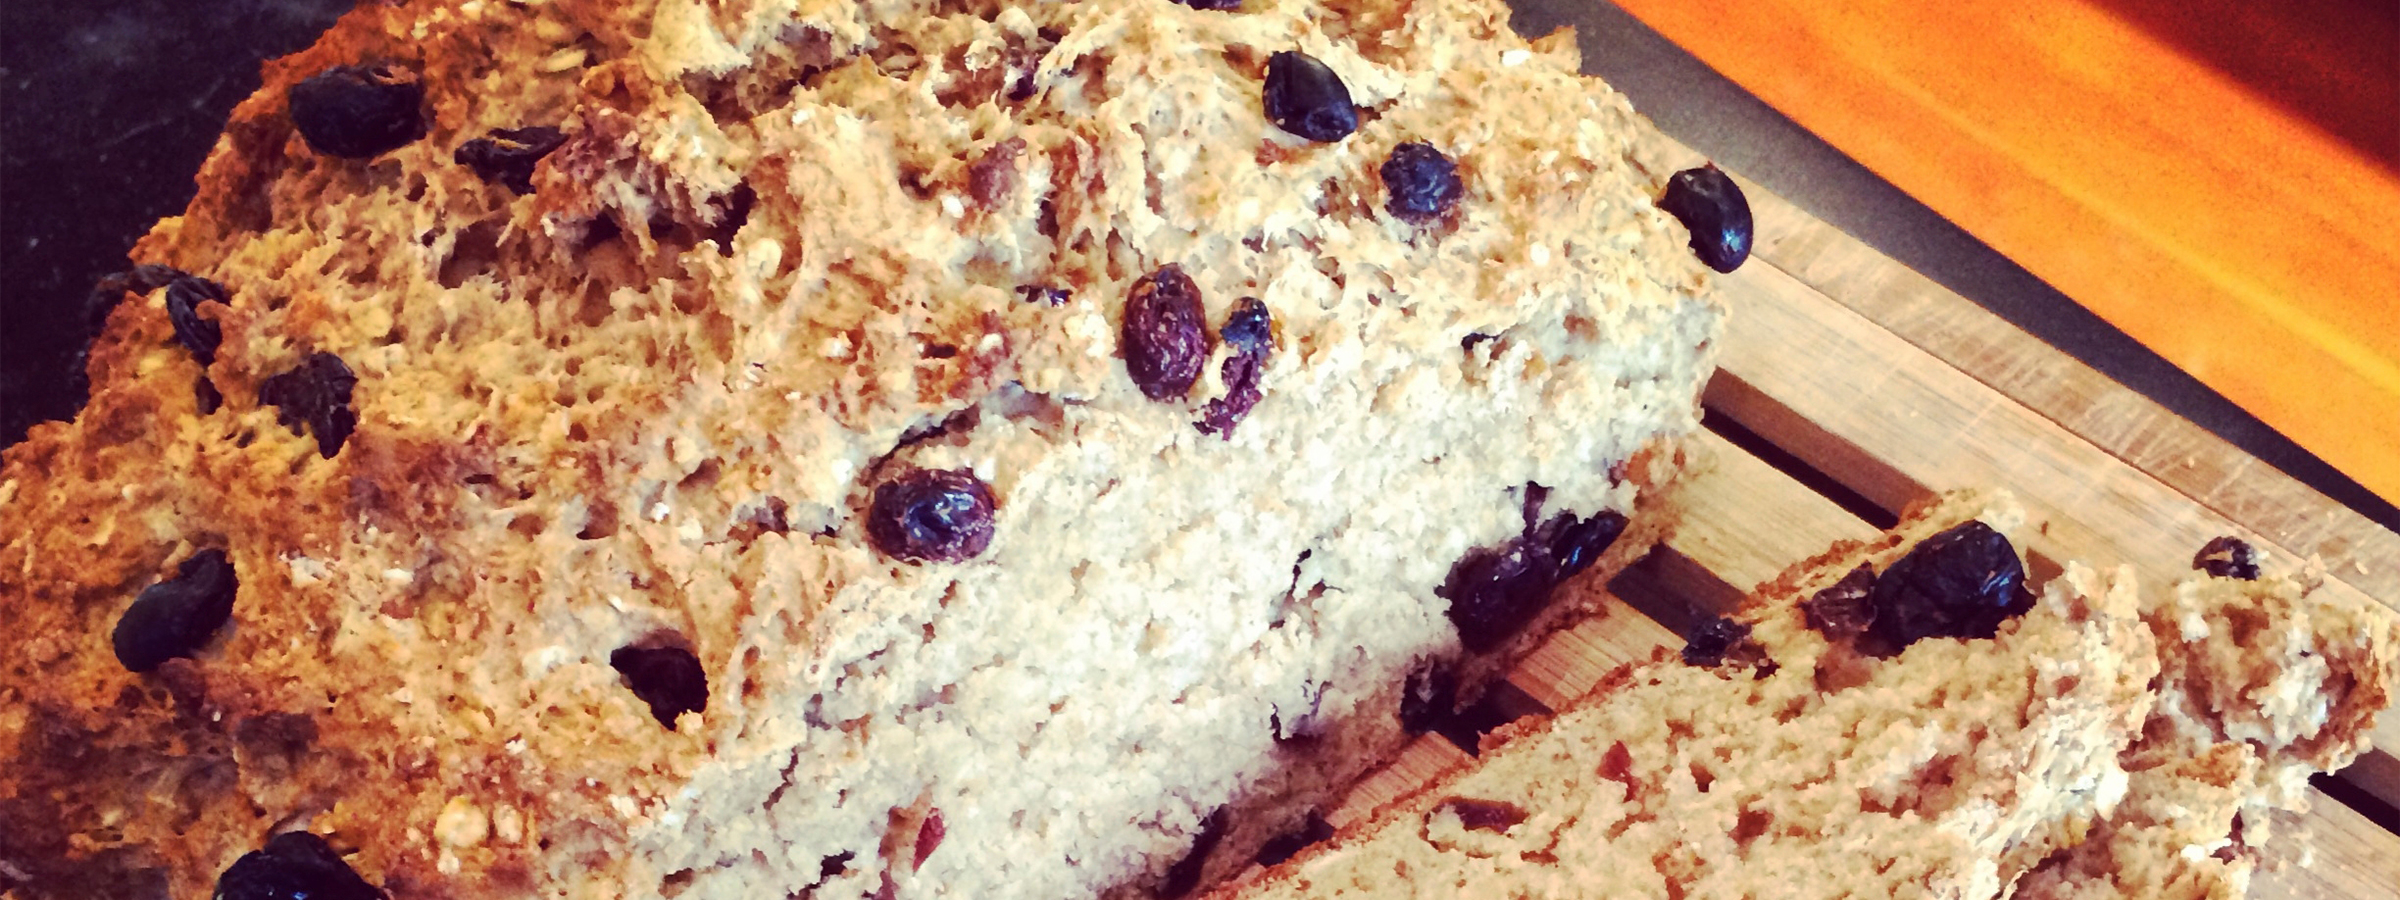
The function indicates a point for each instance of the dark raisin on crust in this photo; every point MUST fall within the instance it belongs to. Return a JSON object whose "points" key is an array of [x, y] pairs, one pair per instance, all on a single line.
{"points": [[1484, 815], [1163, 339], [1184, 875], [1713, 209], [1221, 5], [1304, 96], [106, 293], [1429, 696], [358, 111], [1249, 328], [177, 616], [1577, 543], [508, 155], [1422, 181], [1718, 641], [932, 515], [669, 679], [1844, 609], [835, 864], [1312, 830], [1960, 583], [1045, 294], [295, 865], [1617, 765], [314, 394], [1495, 591], [111, 289], [2228, 557], [1723, 642], [201, 336], [1249, 331]]}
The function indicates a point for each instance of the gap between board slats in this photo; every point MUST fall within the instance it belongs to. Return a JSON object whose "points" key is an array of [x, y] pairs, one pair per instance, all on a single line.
{"points": [[1895, 423], [2124, 423], [2136, 430], [1920, 418], [1745, 521], [2079, 398]]}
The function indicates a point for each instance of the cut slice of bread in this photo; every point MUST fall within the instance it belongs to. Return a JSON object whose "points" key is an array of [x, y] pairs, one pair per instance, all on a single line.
{"points": [[1791, 764], [2265, 682], [2093, 746]]}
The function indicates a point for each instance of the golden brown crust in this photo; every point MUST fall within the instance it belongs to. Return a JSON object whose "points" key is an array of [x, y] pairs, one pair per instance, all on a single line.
{"points": [[784, 252]]}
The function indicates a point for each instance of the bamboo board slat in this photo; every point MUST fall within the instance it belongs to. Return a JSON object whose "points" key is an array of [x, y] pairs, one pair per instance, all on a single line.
{"points": [[2038, 404], [1743, 504], [1933, 429]]}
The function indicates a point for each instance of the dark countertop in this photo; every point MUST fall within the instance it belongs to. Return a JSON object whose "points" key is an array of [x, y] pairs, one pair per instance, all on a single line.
{"points": [[107, 108]]}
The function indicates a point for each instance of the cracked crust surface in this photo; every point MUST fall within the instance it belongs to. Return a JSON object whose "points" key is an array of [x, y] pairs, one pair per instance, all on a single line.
{"points": [[789, 251]]}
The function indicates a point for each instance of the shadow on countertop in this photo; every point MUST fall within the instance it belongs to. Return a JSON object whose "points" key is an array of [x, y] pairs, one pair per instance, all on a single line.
{"points": [[106, 109]]}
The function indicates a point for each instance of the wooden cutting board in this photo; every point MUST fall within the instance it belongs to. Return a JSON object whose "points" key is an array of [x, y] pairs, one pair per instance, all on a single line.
{"points": [[1850, 384]]}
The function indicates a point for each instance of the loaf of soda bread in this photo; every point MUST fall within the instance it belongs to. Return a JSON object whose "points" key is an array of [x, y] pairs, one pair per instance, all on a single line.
{"points": [[845, 448], [1887, 720]]}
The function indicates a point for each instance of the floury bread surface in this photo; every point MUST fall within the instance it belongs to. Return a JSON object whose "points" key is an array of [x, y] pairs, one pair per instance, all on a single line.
{"points": [[786, 256], [2266, 681]]}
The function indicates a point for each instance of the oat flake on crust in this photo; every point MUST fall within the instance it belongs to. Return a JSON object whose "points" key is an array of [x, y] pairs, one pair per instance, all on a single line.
{"points": [[786, 253]]}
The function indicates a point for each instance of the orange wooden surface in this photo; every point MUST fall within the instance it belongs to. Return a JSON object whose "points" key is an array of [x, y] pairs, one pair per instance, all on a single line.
{"points": [[2219, 179]]}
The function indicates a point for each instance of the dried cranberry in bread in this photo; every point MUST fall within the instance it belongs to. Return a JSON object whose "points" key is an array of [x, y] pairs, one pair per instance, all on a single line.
{"points": [[701, 449]]}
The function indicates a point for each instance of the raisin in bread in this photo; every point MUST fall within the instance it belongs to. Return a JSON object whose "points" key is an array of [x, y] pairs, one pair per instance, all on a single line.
{"points": [[1894, 719], [2265, 682], [758, 448]]}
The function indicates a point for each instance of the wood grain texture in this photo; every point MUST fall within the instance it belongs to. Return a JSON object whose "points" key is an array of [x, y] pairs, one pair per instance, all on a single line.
{"points": [[2131, 427], [2223, 229], [1423, 762], [1894, 422], [2127, 425], [2353, 859], [1894, 388], [1745, 522]]}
